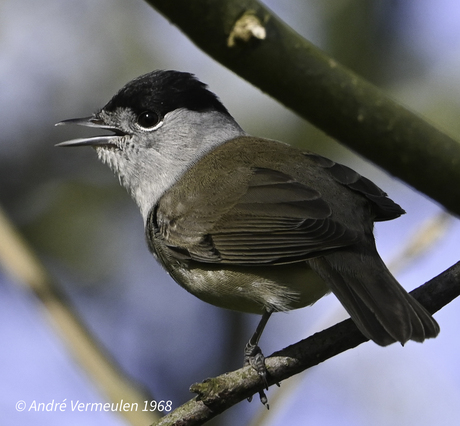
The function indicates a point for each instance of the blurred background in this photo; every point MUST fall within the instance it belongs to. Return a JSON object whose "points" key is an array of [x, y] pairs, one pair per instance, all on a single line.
{"points": [[65, 58]]}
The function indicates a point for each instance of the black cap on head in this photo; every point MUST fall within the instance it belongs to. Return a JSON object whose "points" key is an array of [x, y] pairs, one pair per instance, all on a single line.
{"points": [[165, 91]]}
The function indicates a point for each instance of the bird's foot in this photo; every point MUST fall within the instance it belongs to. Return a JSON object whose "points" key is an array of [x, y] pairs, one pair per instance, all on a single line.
{"points": [[254, 357]]}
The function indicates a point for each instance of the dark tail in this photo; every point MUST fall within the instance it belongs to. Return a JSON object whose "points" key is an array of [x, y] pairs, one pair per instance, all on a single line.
{"points": [[380, 307]]}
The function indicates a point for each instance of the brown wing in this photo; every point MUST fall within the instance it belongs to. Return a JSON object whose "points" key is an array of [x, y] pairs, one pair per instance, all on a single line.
{"points": [[270, 219], [384, 208]]}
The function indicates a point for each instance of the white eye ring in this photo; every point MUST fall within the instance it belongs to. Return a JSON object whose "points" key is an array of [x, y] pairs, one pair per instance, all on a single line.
{"points": [[149, 120]]}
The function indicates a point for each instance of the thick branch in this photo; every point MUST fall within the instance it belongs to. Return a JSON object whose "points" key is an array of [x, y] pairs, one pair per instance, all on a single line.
{"points": [[220, 393], [286, 66]]}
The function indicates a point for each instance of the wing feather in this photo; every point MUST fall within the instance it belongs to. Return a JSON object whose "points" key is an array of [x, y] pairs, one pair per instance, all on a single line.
{"points": [[277, 220]]}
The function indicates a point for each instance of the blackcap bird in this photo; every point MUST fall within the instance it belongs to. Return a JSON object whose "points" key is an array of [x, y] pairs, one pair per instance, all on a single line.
{"points": [[246, 223]]}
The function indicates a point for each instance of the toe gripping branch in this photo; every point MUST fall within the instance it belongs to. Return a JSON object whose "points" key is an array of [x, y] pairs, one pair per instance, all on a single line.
{"points": [[254, 357]]}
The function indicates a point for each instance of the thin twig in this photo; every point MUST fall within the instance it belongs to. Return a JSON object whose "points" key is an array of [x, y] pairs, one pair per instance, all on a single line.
{"points": [[218, 394], [18, 259]]}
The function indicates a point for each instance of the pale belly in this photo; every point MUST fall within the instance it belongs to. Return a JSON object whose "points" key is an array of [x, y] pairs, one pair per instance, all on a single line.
{"points": [[252, 289]]}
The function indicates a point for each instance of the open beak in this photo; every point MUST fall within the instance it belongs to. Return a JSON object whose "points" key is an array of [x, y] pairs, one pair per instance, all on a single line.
{"points": [[103, 140]]}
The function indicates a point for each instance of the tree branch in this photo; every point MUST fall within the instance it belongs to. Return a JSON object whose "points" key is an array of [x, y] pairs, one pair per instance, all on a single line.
{"points": [[19, 260], [249, 39], [218, 394], [273, 57]]}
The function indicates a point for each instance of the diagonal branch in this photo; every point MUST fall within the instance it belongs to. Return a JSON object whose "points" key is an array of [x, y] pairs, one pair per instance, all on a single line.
{"points": [[250, 40], [218, 394], [272, 56], [19, 261]]}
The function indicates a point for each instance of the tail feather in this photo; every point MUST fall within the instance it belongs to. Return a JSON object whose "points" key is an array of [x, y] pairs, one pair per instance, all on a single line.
{"points": [[380, 307]]}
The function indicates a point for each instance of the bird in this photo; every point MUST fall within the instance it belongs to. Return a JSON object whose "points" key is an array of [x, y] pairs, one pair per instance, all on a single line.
{"points": [[248, 223]]}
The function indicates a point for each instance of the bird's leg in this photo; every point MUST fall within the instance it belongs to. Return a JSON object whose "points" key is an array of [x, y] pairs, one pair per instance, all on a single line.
{"points": [[254, 357], [252, 354]]}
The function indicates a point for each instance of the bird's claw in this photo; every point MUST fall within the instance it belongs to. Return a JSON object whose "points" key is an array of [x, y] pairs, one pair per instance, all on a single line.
{"points": [[254, 357]]}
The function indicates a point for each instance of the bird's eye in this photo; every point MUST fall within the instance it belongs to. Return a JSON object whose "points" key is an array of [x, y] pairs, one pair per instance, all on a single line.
{"points": [[148, 119]]}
